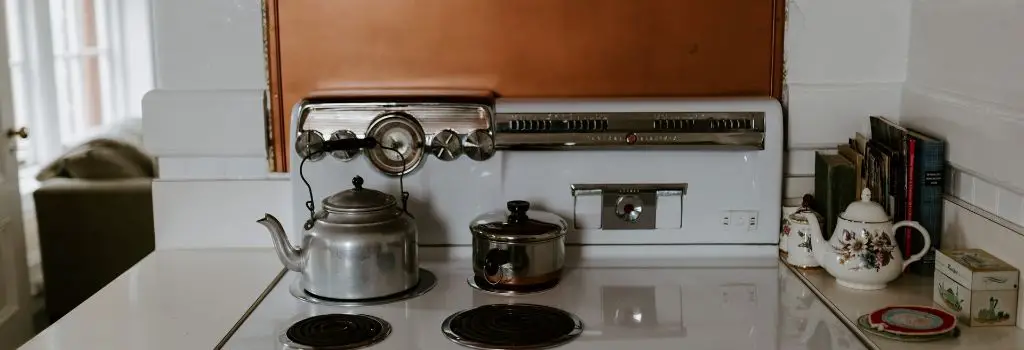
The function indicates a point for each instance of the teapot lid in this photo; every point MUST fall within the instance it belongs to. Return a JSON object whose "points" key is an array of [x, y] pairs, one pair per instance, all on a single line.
{"points": [[358, 199], [865, 210]]}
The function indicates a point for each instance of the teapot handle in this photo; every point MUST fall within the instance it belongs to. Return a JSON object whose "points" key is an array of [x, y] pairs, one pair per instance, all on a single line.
{"points": [[923, 232]]}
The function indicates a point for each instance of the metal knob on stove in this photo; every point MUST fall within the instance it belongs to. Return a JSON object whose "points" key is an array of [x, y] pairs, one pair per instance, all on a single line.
{"points": [[479, 145], [629, 208], [446, 145], [345, 155], [308, 144]]}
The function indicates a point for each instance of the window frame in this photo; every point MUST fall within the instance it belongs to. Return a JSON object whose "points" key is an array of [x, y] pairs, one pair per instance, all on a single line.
{"points": [[37, 102]]}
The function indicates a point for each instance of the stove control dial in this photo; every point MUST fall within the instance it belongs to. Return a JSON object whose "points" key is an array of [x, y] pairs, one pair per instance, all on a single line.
{"points": [[629, 207], [479, 145], [446, 145], [343, 135], [307, 143]]}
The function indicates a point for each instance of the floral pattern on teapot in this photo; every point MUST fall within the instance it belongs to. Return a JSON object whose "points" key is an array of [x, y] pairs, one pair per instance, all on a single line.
{"points": [[805, 240], [873, 250]]}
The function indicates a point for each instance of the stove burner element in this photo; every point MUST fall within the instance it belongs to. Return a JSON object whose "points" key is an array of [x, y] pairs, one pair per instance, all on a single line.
{"points": [[336, 332], [512, 326], [482, 285], [426, 283]]}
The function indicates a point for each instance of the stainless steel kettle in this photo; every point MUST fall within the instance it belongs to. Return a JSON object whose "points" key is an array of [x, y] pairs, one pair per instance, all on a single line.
{"points": [[361, 245]]}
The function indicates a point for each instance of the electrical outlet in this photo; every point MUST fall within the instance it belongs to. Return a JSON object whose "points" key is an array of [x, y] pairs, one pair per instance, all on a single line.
{"points": [[739, 220], [751, 220]]}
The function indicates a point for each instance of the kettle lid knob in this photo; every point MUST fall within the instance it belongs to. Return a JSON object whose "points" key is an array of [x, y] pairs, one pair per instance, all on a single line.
{"points": [[357, 182]]}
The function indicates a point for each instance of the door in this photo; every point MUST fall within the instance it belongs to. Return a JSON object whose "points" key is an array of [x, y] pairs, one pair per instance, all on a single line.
{"points": [[15, 310]]}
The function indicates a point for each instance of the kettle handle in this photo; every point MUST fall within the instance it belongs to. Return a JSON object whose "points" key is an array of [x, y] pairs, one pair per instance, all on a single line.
{"points": [[923, 232]]}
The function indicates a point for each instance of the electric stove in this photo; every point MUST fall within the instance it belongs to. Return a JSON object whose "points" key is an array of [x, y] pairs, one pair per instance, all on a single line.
{"points": [[674, 207]]}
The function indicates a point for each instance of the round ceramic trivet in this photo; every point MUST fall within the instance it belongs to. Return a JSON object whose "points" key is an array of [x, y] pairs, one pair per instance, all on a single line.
{"points": [[914, 320], [864, 325]]}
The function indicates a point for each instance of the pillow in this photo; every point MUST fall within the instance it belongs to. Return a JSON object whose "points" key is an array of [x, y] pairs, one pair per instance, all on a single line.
{"points": [[101, 159]]}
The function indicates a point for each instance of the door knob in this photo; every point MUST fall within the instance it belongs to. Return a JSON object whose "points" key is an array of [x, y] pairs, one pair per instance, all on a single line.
{"points": [[22, 132]]}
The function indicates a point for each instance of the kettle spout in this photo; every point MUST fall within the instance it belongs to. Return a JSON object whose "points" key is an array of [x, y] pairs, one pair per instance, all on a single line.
{"points": [[818, 243], [290, 256]]}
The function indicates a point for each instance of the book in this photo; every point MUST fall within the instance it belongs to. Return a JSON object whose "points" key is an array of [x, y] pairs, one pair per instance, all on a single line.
{"points": [[860, 143], [927, 203], [851, 154], [834, 185], [879, 159], [894, 137]]}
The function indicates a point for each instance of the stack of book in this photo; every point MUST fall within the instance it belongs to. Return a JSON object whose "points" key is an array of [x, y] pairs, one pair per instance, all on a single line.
{"points": [[902, 167]]}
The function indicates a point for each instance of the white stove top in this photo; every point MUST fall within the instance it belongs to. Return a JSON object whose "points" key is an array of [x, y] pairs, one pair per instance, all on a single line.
{"points": [[695, 304]]}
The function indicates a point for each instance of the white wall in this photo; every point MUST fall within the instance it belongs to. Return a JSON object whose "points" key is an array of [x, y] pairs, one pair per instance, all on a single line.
{"points": [[845, 60], [965, 83]]}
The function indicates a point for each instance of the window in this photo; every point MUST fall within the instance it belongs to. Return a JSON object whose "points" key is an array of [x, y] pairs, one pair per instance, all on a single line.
{"points": [[77, 67]]}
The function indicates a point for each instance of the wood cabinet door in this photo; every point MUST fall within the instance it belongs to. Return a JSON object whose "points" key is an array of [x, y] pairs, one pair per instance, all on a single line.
{"points": [[522, 48]]}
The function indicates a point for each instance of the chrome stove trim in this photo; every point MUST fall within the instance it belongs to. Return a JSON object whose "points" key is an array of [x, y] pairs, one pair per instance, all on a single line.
{"points": [[630, 130], [426, 283], [328, 117], [504, 292], [248, 312]]}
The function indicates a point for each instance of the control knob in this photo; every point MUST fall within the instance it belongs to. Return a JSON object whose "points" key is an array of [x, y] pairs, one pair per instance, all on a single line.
{"points": [[345, 155], [446, 145], [628, 208], [308, 144], [479, 145]]}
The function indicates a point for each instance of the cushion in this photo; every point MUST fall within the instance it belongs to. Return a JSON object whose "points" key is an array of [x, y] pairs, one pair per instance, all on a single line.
{"points": [[101, 159]]}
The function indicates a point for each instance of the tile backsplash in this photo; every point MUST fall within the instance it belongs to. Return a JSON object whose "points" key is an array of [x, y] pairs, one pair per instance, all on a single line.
{"points": [[999, 200]]}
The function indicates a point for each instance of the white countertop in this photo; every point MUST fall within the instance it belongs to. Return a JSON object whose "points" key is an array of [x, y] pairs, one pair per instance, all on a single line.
{"points": [[189, 299], [907, 290], [172, 299]]}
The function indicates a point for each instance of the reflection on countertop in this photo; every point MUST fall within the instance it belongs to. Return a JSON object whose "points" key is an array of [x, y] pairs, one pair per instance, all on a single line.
{"points": [[805, 322]]}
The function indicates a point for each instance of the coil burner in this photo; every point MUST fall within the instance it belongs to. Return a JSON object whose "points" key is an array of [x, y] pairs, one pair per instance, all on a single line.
{"points": [[336, 332], [512, 326]]}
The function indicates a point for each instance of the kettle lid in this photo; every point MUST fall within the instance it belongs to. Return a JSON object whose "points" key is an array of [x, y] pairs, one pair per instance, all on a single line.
{"points": [[358, 199], [517, 226], [865, 210]]}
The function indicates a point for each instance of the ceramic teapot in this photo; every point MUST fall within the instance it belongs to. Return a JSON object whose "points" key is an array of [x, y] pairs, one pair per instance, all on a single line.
{"points": [[862, 253], [798, 230]]}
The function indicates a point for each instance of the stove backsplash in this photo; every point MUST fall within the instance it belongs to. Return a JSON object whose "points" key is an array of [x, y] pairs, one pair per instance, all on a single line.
{"points": [[705, 196]]}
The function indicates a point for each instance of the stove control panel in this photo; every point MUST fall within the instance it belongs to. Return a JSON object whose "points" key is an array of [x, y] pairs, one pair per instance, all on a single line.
{"points": [[672, 130], [628, 206], [405, 132]]}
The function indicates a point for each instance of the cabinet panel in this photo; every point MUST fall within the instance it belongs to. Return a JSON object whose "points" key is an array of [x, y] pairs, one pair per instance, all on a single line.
{"points": [[523, 48]]}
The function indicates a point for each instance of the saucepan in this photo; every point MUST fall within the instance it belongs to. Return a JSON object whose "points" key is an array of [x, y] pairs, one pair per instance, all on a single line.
{"points": [[520, 249]]}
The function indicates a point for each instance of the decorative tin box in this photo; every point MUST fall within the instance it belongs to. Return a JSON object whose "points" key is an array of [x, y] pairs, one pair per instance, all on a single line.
{"points": [[976, 286]]}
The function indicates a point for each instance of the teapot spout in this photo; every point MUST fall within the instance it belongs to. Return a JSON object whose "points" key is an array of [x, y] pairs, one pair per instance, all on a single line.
{"points": [[290, 256], [818, 242]]}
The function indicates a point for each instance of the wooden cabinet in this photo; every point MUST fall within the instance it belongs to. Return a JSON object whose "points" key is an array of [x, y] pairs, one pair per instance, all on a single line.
{"points": [[522, 48]]}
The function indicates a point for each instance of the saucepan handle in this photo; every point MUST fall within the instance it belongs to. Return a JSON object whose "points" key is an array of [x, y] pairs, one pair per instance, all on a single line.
{"points": [[923, 232], [493, 261]]}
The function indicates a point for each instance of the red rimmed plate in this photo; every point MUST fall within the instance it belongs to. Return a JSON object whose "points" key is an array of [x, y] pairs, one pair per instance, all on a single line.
{"points": [[912, 320]]}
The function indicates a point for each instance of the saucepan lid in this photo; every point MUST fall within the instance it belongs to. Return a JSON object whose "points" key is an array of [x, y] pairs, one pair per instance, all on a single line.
{"points": [[516, 225]]}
